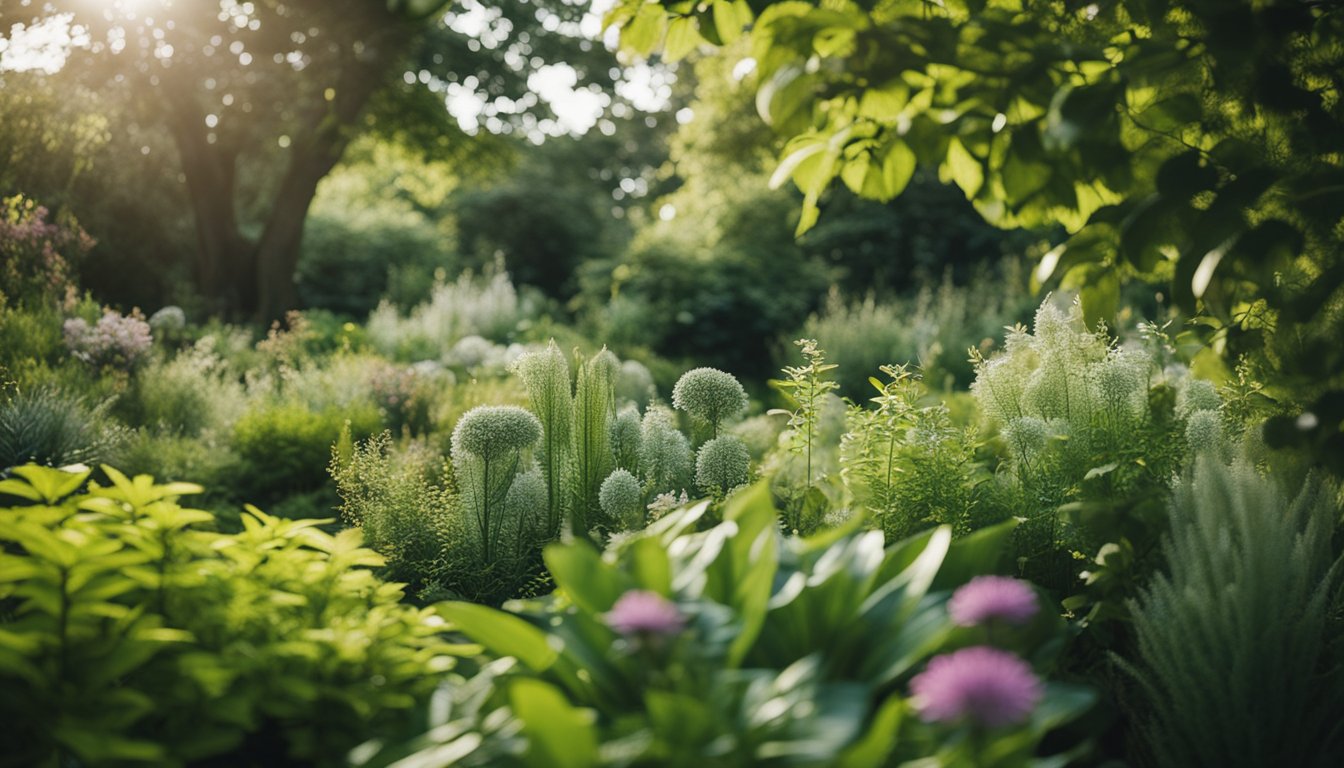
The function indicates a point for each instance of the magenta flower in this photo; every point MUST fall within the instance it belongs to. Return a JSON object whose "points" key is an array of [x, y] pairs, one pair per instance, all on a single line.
{"points": [[642, 612], [981, 685], [987, 598]]}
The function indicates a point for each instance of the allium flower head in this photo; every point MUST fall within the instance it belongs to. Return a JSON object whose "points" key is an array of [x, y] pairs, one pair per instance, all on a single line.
{"points": [[491, 431], [642, 612], [990, 598], [981, 685], [621, 498], [709, 394]]}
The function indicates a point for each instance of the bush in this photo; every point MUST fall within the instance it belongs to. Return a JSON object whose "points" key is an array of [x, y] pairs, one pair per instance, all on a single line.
{"points": [[121, 342], [285, 447], [133, 634], [489, 307], [187, 395], [38, 258]]}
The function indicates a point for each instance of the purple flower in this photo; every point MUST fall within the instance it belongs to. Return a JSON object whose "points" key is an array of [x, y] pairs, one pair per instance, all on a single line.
{"points": [[987, 598], [983, 685], [639, 611]]}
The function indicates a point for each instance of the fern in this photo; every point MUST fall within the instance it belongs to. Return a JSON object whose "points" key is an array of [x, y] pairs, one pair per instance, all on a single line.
{"points": [[1232, 640]]}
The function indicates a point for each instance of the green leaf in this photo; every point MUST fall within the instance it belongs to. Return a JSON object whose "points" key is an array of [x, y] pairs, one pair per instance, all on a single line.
{"points": [[593, 584], [502, 633], [682, 38], [51, 485], [643, 33], [730, 18], [559, 734], [964, 169], [974, 555], [898, 166], [878, 741]]}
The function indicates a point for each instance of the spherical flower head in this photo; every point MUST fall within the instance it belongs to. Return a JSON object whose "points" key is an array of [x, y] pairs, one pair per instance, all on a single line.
{"points": [[492, 431], [993, 598], [722, 464], [709, 394], [620, 496], [1197, 395], [169, 319], [642, 612], [980, 685]]}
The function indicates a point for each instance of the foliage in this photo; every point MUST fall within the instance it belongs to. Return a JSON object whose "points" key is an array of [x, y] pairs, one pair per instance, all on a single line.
{"points": [[735, 645], [665, 457], [806, 387], [1194, 143], [285, 445], [622, 499], [487, 307], [906, 464], [1234, 650], [931, 329], [38, 257], [48, 426], [188, 394], [390, 494], [1089, 424], [133, 634]]}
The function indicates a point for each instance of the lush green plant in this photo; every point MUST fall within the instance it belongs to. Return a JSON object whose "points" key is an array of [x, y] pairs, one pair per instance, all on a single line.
{"points": [[46, 426], [132, 634], [1091, 425], [187, 394], [665, 458], [1237, 637], [735, 645], [906, 464], [931, 329], [285, 446], [488, 307], [807, 389]]}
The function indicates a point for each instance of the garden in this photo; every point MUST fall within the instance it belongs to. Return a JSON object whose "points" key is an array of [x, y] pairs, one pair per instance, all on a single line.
{"points": [[568, 383]]}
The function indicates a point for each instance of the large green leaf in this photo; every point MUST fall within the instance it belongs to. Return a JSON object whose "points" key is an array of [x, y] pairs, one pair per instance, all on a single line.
{"points": [[501, 633]]}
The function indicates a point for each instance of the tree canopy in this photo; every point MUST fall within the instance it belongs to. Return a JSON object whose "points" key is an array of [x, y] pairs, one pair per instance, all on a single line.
{"points": [[275, 91], [1197, 143]]}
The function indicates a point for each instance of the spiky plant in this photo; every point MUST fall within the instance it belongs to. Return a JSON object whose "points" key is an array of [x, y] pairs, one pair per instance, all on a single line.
{"points": [[625, 438], [594, 410], [545, 374], [46, 426], [1232, 653]]}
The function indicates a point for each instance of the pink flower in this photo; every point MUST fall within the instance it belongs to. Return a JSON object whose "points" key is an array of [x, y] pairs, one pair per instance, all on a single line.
{"points": [[987, 598], [642, 612], [982, 685]]}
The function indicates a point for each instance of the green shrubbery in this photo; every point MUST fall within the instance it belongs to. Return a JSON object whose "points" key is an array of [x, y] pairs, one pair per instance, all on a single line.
{"points": [[131, 633]]}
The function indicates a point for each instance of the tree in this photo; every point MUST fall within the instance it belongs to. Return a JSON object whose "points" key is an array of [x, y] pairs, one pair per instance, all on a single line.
{"points": [[1198, 143], [275, 91]]}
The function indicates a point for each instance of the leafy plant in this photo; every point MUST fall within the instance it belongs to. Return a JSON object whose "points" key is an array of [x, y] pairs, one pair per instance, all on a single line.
{"points": [[735, 645], [906, 464], [1234, 652], [130, 633], [285, 446], [807, 388]]}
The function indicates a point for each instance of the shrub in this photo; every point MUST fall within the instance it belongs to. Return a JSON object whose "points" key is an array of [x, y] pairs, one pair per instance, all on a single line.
{"points": [[44, 425], [1234, 637], [285, 446], [135, 635], [121, 342], [736, 646], [188, 394], [38, 257], [489, 308]]}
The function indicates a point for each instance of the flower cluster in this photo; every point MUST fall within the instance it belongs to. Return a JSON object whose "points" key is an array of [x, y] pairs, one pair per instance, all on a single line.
{"points": [[640, 612], [709, 395], [980, 685], [36, 254], [722, 464], [987, 599], [493, 431], [115, 341]]}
